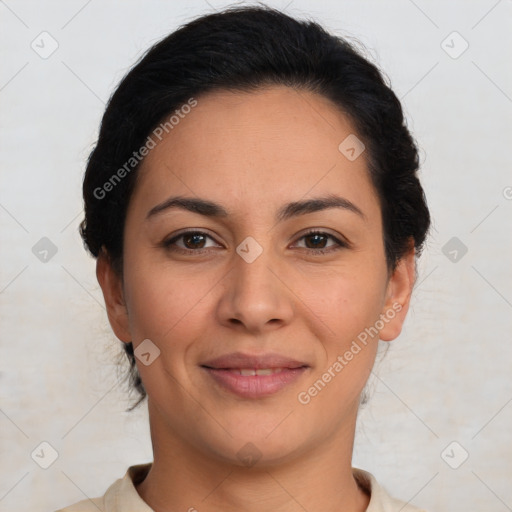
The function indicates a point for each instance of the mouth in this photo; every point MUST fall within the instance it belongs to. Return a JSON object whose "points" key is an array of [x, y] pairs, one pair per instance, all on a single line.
{"points": [[254, 376], [246, 372]]}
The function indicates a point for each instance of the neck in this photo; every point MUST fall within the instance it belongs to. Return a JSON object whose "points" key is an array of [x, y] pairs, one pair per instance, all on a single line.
{"points": [[184, 478]]}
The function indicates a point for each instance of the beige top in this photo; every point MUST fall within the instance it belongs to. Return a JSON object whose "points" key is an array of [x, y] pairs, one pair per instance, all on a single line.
{"points": [[122, 496]]}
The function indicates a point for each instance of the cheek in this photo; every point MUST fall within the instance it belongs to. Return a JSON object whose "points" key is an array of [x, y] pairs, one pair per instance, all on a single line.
{"points": [[162, 303], [349, 306], [168, 308], [346, 299]]}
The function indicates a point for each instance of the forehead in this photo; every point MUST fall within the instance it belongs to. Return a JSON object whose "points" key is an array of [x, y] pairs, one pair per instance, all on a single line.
{"points": [[250, 146]]}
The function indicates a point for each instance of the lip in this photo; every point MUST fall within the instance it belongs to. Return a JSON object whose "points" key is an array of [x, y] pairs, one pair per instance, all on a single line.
{"points": [[241, 360], [223, 370], [254, 386]]}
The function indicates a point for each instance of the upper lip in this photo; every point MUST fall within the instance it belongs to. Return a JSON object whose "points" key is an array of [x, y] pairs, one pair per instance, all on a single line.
{"points": [[240, 360]]}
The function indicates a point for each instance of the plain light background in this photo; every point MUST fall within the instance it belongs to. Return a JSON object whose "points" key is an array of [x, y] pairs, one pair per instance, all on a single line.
{"points": [[445, 380]]}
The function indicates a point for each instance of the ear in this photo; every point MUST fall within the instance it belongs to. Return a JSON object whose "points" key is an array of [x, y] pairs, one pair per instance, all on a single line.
{"points": [[112, 286], [398, 296]]}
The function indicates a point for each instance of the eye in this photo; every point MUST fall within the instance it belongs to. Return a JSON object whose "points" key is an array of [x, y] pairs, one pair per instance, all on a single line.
{"points": [[193, 241], [316, 240]]}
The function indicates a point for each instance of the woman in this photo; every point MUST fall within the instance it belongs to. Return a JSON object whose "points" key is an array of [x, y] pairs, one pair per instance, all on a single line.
{"points": [[254, 208]]}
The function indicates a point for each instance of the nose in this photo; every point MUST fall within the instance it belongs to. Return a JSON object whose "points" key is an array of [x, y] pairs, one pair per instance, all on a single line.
{"points": [[255, 296]]}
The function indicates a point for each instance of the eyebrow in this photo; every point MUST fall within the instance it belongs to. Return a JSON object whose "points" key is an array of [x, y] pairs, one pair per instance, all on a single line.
{"points": [[289, 210]]}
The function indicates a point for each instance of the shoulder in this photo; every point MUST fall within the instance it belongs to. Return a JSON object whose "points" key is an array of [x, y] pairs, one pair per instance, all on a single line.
{"points": [[380, 500], [121, 496]]}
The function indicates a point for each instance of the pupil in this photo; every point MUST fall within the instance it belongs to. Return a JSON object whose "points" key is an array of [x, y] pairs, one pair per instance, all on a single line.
{"points": [[315, 244], [191, 237]]}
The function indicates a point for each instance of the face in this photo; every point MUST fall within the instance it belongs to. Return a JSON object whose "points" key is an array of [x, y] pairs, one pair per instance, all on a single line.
{"points": [[242, 278]]}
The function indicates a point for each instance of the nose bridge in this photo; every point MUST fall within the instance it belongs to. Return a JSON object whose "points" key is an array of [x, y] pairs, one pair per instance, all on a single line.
{"points": [[254, 263], [252, 276], [254, 295]]}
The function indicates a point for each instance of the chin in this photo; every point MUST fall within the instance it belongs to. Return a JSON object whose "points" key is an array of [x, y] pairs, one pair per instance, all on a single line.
{"points": [[254, 448]]}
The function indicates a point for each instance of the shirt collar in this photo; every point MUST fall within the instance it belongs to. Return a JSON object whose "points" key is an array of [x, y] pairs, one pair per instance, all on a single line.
{"points": [[123, 496]]}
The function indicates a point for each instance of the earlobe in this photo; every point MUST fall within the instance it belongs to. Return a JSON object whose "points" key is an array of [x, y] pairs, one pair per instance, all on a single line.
{"points": [[398, 296], [112, 288]]}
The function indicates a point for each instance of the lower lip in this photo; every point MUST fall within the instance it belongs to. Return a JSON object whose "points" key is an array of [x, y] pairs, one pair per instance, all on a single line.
{"points": [[255, 386]]}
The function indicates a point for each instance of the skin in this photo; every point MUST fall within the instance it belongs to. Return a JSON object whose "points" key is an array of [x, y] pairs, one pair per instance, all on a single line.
{"points": [[252, 153]]}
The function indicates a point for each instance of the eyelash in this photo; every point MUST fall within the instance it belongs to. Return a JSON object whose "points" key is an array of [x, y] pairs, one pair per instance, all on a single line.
{"points": [[168, 244]]}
